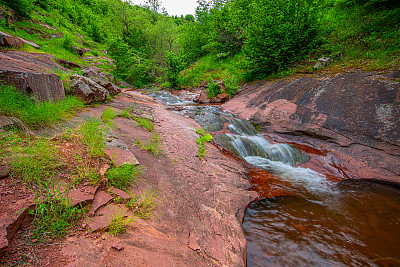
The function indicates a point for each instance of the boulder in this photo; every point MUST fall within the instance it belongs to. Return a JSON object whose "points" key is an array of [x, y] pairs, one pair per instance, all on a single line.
{"points": [[322, 62], [355, 115], [100, 93], [7, 40], [42, 86], [102, 80], [202, 98], [82, 90], [220, 98]]}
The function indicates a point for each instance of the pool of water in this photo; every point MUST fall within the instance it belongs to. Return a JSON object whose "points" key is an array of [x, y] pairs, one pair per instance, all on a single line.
{"points": [[356, 225]]}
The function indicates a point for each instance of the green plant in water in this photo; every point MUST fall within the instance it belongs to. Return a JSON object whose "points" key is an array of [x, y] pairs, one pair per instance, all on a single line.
{"points": [[108, 117], [122, 177], [201, 140], [54, 214], [93, 137], [144, 205]]}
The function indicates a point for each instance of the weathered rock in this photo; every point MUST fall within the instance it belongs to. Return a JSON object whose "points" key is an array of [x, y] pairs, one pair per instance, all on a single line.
{"points": [[81, 89], [119, 193], [355, 114], [35, 45], [102, 80], [7, 40], [68, 64], [78, 50], [4, 172], [118, 247], [101, 198], [100, 93], [111, 78], [121, 156], [105, 216], [202, 98], [220, 98], [83, 196], [322, 62], [42, 86]]}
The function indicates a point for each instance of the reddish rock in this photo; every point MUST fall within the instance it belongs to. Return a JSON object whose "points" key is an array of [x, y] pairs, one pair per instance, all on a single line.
{"points": [[118, 247], [104, 169], [68, 64], [101, 198], [119, 193], [202, 98], [121, 156], [193, 244], [83, 196], [105, 216], [356, 115], [220, 98], [7, 40], [42, 86], [4, 172]]}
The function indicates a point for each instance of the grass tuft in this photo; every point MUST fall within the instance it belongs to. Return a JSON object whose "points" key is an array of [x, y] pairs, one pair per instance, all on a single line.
{"points": [[122, 177], [108, 117], [144, 205], [93, 137]]}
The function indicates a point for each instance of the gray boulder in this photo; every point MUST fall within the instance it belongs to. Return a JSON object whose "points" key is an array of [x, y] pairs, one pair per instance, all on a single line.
{"points": [[100, 93]]}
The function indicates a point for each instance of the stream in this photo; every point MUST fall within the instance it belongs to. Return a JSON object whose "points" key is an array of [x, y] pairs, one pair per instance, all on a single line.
{"points": [[304, 218]]}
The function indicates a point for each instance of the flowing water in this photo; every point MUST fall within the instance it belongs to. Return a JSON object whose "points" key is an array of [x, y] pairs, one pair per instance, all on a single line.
{"points": [[311, 220]]}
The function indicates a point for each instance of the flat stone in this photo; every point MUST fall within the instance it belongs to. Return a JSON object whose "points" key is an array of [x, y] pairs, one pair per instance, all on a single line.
{"points": [[193, 244], [104, 169], [119, 193], [105, 216], [82, 196], [121, 156], [101, 198], [118, 247]]}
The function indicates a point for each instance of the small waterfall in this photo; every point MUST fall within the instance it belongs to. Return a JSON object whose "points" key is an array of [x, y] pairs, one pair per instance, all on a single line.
{"points": [[281, 160]]}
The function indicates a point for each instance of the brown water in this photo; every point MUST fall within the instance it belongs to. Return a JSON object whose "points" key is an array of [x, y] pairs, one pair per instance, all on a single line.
{"points": [[356, 225]]}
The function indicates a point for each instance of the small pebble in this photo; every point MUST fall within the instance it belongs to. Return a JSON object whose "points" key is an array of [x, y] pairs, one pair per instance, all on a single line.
{"points": [[118, 247]]}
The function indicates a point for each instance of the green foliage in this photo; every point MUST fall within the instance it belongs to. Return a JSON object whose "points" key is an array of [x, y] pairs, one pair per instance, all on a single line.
{"points": [[145, 123], [279, 33], [122, 177], [175, 65], [54, 214], [34, 114], [21, 7], [203, 138], [231, 87], [213, 89], [144, 205], [93, 137]]}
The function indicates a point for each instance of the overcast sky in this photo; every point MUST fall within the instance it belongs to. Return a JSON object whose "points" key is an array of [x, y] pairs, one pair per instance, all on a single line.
{"points": [[175, 7]]}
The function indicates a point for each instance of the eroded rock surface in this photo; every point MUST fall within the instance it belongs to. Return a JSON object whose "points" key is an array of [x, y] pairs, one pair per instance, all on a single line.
{"points": [[354, 115]]}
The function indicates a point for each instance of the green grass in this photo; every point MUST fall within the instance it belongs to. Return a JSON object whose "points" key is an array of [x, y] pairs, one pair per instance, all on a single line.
{"points": [[93, 137], [144, 205], [34, 160], [108, 117], [53, 215], [122, 177], [33, 114], [118, 224]]}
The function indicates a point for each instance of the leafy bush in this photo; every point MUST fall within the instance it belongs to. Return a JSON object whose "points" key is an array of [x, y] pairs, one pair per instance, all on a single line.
{"points": [[175, 65], [279, 33], [213, 89], [21, 7], [201, 140]]}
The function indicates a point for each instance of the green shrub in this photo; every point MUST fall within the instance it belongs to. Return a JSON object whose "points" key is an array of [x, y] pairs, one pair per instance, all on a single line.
{"points": [[213, 89], [21, 7], [175, 65], [201, 140]]}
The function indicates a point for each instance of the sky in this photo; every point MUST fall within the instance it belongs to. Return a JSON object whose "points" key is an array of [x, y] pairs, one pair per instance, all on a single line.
{"points": [[175, 7]]}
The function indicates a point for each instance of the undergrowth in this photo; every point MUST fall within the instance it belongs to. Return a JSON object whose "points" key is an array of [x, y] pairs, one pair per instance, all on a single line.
{"points": [[32, 113], [108, 117], [144, 205], [118, 224], [93, 137]]}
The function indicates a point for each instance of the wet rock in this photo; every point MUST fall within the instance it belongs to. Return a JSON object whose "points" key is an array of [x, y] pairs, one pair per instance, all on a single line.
{"points": [[7, 40], [117, 246], [42, 86], [354, 114], [68, 64], [101, 199], [202, 98], [322, 62], [4, 172], [100, 93], [121, 156]]}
